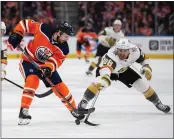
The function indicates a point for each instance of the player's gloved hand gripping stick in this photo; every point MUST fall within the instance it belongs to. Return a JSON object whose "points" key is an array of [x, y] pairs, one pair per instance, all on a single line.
{"points": [[85, 111]]}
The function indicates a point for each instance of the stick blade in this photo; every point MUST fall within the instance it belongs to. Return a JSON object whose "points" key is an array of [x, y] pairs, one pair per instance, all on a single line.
{"points": [[49, 92], [85, 111], [91, 124]]}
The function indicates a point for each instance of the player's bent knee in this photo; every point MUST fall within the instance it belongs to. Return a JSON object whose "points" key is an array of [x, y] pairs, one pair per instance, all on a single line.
{"points": [[141, 85], [32, 81], [147, 91]]}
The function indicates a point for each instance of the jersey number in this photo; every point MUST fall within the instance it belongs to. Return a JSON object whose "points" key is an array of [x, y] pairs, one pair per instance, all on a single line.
{"points": [[108, 62]]}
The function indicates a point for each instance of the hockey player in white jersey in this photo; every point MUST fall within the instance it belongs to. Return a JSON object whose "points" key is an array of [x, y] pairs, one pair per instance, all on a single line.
{"points": [[115, 65], [3, 52], [107, 39]]}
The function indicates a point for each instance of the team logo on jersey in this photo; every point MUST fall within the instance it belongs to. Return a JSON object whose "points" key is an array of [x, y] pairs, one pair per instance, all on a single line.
{"points": [[43, 53]]}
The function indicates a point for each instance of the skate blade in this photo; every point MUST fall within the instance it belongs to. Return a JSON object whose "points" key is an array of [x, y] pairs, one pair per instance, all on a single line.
{"points": [[24, 121], [169, 113]]}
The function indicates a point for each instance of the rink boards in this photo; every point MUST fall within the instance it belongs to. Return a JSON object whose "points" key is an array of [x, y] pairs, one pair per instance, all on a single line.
{"points": [[155, 47]]}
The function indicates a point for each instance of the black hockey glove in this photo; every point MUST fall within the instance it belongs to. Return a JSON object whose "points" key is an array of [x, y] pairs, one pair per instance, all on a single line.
{"points": [[15, 39], [44, 72]]}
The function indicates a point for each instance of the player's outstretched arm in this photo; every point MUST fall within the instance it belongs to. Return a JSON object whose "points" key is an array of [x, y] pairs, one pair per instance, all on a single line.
{"points": [[144, 61]]}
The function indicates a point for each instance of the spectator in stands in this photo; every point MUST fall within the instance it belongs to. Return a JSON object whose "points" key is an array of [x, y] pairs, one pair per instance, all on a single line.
{"points": [[103, 13], [39, 11]]}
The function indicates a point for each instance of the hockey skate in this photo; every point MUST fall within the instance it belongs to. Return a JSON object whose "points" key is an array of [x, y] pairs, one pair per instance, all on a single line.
{"points": [[78, 116], [86, 59], [24, 117], [79, 57], [88, 72], [82, 105], [162, 107]]}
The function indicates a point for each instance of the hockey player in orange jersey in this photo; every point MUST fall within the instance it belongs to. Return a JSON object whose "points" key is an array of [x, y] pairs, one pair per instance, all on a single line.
{"points": [[84, 36], [48, 49]]}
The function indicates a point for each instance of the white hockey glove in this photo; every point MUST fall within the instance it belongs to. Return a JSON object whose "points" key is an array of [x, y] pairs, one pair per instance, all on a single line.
{"points": [[3, 74], [103, 82], [147, 71]]}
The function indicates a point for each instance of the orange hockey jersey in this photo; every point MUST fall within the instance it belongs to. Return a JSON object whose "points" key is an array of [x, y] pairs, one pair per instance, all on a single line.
{"points": [[84, 35], [40, 49]]}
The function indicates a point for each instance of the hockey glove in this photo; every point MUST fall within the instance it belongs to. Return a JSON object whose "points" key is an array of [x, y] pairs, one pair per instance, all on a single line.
{"points": [[147, 71], [111, 41], [15, 39], [3, 74], [44, 72]]}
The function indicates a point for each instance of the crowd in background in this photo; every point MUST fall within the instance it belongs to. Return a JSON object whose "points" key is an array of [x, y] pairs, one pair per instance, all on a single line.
{"points": [[138, 18], [12, 12]]}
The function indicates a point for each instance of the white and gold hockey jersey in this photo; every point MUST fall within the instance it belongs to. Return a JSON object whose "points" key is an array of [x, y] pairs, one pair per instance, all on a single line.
{"points": [[111, 63], [3, 55], [108, 36]]}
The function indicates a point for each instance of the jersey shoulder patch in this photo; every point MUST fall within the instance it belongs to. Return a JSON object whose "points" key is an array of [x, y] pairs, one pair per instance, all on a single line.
{"points": [[135, 54]]}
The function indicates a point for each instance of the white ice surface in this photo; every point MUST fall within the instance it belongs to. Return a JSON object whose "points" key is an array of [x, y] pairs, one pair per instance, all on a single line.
{"points": [[120, 111]]}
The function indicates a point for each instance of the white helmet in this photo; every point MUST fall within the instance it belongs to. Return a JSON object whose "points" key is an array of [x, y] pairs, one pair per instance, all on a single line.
{"points": [[117, 22], [3, 26], [123, 43]]}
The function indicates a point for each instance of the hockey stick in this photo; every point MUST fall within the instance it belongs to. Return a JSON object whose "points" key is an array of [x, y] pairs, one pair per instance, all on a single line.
{"points": [[37, 95], [77, 121], [86, 119], [85, 111]]}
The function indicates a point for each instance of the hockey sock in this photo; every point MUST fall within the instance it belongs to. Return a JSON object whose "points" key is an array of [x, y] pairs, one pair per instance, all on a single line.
{"points": [[88, 51], [65, 92], [151, 96], [78, 52], [90, 92], [92, 66], [31, 85]]}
